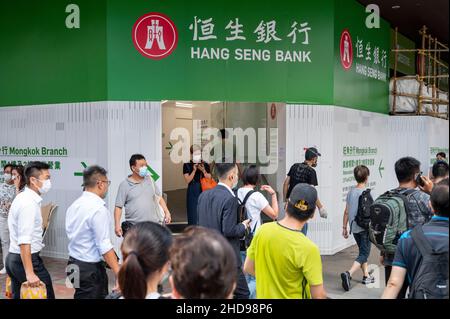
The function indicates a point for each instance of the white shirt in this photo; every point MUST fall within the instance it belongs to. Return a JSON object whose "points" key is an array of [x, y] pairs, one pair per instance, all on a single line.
{"points": [[25, 222], [227, 187], [87, 227], [255, 204], [152, 295]]}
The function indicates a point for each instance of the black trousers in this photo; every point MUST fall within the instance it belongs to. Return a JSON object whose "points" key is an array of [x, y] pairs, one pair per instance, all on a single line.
{"points": [[241, 291], [387, 274], [16, 272], [89, 279]]}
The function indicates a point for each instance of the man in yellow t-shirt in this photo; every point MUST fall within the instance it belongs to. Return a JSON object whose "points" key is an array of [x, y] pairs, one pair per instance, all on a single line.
{"points": [[286, 264]]}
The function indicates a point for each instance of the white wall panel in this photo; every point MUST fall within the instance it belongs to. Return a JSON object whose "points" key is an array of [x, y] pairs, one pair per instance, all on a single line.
{"points": [[107, 133], [133, 127], [331, 128], [103, 133], [306, 126]]}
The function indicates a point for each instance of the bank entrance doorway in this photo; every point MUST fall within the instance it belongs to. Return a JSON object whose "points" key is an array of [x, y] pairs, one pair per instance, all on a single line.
{"points": [[251, 129]]}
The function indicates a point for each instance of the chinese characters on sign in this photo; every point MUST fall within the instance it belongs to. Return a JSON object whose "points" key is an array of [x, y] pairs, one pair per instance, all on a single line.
{"points": [[355, 156], [204, 29], [371, 60], [53, 164]]}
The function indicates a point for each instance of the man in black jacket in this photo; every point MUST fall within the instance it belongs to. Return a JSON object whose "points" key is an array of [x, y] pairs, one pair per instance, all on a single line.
{"points": [[218, 209]]}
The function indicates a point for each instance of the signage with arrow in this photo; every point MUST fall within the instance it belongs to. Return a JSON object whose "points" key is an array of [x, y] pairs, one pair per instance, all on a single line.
{"points": [[81, 173], [381, 168], [170, 147], [153, 174]]}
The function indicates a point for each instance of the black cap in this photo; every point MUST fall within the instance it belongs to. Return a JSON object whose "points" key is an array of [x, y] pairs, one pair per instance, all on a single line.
{"points": [[311, 153], [303, 199]]}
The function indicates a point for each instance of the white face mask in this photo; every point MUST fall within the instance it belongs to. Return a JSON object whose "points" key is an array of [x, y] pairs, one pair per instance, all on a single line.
{"points": [[236, 181], [46, 186], [197, 158], [7, 177]]}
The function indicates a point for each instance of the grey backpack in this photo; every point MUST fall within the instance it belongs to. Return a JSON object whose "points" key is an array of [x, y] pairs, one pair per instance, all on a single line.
{"points": [[389, 219]]}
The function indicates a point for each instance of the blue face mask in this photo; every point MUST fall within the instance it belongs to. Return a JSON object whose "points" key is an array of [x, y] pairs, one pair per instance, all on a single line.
{"points": [[143, 171]]}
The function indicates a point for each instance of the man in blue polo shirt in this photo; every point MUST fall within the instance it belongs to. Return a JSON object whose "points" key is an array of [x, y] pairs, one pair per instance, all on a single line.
{"points": [[408, 259]]}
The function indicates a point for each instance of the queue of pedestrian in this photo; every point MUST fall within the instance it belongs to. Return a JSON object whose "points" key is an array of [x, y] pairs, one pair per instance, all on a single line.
{"points": [[229, 251]]}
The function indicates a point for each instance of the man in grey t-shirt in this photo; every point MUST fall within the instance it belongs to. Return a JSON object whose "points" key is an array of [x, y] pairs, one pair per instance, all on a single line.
{"points": [[139, 195]]}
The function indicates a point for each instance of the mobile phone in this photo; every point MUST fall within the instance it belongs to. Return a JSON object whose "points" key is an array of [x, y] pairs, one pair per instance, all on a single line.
{"points": [[419, 180]]}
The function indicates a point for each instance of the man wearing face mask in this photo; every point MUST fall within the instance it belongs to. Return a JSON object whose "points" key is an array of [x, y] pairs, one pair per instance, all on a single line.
{"points": [[7, 194], [87, 227], [140, 196], [218, 209], [23, 263], [304, 173]]}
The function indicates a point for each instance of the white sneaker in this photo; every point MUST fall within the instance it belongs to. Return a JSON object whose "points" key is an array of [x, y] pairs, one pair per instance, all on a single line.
{"points": [[3, 271]]}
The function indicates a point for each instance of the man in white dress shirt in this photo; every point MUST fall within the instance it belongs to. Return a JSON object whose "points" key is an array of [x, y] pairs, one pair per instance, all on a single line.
{"points": [[88, 229], [23, 263]]}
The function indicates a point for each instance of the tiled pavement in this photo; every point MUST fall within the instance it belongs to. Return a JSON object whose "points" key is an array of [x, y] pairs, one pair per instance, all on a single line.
{"points": [[332, 267]]}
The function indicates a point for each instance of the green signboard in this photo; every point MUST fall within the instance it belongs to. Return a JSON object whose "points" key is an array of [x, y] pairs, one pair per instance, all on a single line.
{"points": [[231, 50], [228, 50], [361, 72], [42, 61]]}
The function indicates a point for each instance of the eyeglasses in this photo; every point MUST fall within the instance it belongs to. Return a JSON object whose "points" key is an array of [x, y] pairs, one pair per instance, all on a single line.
{"points": [[108, 182]]}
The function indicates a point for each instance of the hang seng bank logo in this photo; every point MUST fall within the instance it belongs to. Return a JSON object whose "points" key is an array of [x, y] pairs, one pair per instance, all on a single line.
{"points": [[346, 50], [155, 36]]}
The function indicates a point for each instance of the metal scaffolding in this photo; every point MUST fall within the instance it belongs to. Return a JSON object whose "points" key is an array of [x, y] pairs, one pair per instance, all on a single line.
{"points": [[428, 73]]}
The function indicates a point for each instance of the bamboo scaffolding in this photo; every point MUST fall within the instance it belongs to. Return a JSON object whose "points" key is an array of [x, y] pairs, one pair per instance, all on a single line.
{"points": [[429, 75]]}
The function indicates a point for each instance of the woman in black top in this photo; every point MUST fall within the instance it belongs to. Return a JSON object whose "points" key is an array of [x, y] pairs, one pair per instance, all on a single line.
{"points": [[193, 172]]}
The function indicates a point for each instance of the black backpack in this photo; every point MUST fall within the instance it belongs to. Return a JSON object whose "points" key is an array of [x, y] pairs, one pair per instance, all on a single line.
{"points": [[243, 215], [431, 279], [362, 218]]}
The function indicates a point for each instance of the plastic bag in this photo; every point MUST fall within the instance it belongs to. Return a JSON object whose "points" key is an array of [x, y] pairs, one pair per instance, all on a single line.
{"points": [[207, 183], [27, 292], [8, 288]]}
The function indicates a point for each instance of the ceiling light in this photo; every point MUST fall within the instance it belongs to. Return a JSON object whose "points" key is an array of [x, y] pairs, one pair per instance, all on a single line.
{"points": [[395, 7], [187, 105]]}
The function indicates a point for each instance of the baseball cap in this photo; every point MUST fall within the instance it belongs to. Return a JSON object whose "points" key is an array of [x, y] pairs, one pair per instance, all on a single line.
{"points": [[303, 199], [311, 152]]}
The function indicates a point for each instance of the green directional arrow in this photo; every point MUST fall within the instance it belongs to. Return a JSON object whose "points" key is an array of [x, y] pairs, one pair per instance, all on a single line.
{"points": [[154, 175], [80, 173], [381, 168]]}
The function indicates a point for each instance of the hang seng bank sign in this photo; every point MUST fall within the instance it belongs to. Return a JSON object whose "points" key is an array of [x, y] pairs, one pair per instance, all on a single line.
{"points": [[155, 36], [248, 51]]}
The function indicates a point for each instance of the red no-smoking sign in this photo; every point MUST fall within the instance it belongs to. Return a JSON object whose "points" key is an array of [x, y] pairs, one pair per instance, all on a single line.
{"points": [[155, 36], [346, 49]]}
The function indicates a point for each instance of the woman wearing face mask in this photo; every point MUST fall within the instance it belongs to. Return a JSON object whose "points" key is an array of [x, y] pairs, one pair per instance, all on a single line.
{"points": [[7, 194], [18, 178], [145, 250], [193, 172]]}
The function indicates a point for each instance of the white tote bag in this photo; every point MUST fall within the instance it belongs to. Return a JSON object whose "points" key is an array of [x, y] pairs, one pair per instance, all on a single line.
{"points": [[159, 211]]}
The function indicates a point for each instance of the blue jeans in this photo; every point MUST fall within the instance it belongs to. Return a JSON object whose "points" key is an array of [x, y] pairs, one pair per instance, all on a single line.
{"points": [[363, 242], [251, 281]]}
